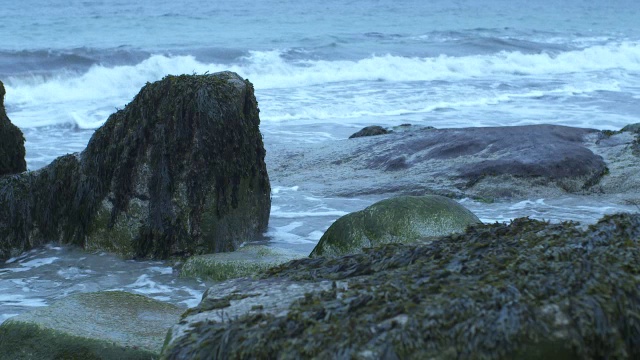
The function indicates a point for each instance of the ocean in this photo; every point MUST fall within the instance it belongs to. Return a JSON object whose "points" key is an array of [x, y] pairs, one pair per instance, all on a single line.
{"points": [[322, 70]]}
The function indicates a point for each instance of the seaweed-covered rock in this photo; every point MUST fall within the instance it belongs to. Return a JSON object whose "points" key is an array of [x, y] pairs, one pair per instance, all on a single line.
{"points": [[370, 131], [403, 219], [634, 128], [11, 143], [525, 290], [246, 261], [104, 325], [180, 170]]}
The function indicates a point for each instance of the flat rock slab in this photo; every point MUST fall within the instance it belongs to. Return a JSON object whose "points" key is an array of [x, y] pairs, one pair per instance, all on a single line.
{"points": [[487, 163], [101, 325], [229, 300], [246, 261]]}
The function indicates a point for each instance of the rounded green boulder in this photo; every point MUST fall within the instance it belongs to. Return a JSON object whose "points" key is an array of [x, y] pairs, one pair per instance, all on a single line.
{"points": [[404, 219]]}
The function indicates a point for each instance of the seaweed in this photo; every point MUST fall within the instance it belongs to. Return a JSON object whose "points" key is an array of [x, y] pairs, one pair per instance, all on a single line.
{"points": [[179, 171], [527, 290], [12, 150]]}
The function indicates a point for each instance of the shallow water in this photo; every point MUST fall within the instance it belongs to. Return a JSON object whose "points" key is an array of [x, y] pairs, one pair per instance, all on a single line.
{"points": [[41, 276], [298, 220]]}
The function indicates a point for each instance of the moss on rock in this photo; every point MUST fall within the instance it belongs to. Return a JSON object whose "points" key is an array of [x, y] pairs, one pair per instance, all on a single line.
{"points": [[524, 290], [103, 325], [246, 261], [402, 219]]}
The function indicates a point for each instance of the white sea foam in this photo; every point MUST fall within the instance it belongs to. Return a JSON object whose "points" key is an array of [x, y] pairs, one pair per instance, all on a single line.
{"points": [[21, 300], [88, 98], [315, 235], [277, 189], [73, 273], [28, 265], [527, 204], [301, 214], [145, 285], [285, 234], [164, 270], [194, 300]]}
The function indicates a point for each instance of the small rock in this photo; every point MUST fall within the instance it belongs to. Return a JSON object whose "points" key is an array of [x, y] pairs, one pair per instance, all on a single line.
{"points": [[370, 131]]}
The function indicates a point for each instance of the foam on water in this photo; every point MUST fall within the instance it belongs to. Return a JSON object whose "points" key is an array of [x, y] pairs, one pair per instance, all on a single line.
{"points": [[351, 87], [22, 301], [38, 278], [570, 208], [298, 218]]}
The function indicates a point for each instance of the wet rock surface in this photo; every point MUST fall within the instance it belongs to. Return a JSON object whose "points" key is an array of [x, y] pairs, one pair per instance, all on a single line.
{"points": [[370, 131], [248, 260], [11, 143], [525, 290], [180, 170], [402, 219], [103, 325], [481, 163]]}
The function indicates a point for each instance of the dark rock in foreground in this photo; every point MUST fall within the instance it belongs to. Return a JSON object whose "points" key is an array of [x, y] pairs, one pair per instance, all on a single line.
{"points": [[402, 219], [527, 290], [11, 143], [490, 163], [179, 171]]}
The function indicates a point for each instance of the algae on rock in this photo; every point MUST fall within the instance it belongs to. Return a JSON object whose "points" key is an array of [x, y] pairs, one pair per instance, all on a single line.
{"points": [[402, 219], [104, 325], [11, 143], [179, 171], [525, 290], [246, 261]]}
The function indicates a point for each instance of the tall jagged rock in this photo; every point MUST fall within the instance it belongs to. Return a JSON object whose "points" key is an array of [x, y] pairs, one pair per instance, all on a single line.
{"points": [[11, 143], [179, 171]]}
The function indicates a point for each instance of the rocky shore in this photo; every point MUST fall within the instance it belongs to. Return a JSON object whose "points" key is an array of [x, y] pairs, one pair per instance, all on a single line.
{"points": [[181, 171]]}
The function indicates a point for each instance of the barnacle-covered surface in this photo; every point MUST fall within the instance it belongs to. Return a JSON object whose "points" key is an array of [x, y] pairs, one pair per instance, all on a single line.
{"points": [[524, 290]]}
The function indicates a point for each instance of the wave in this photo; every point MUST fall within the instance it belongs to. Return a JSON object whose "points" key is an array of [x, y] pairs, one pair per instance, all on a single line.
{"points": [[95, 93], [47, 61]]}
